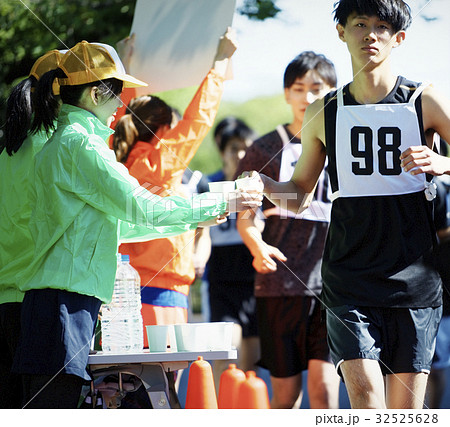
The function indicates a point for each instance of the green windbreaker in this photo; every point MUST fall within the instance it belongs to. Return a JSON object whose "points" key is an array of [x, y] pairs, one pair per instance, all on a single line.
{"points": [[16, 246], [85, 202]]}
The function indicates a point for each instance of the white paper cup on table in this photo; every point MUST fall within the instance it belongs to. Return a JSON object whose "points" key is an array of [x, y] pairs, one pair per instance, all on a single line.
{"points": [[219, 335], [191, 336], [213, 336], [223, 187], [161, 338]]}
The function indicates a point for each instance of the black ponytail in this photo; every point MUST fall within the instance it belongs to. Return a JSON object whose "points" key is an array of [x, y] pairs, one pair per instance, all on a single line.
{"points": [[45, 103], [19, 114]]}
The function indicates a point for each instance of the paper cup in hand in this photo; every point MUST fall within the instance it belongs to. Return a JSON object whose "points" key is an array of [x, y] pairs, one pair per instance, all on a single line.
{"points": [[223, 187], [249, 184]]}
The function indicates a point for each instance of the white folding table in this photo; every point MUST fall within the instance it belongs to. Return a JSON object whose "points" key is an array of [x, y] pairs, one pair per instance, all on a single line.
{"points": [[151, 368]]}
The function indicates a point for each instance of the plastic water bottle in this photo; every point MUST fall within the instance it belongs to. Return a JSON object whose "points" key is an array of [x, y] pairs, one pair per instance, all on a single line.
{"points": [[122, 325]]}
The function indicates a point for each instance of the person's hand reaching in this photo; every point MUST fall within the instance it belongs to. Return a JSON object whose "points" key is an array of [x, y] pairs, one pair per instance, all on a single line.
{"points": [[241, 200], [264, 259], [225, 49]]}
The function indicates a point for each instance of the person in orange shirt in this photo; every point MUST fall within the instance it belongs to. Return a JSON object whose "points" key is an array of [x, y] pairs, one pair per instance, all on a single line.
{"points": [[156, 148]]}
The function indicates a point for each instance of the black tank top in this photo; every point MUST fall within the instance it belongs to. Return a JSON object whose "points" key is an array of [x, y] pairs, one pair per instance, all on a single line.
{"points": [[378, 247]]}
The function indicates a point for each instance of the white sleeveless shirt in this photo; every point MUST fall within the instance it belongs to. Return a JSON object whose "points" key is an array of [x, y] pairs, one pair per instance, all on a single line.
{"points": [[369, 141], [320, 207]]}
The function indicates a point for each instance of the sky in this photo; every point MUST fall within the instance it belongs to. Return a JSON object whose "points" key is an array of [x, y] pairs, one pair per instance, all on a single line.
{"points": [[265, 48]]}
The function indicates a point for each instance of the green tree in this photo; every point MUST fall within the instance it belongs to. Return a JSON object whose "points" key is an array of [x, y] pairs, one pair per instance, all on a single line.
{"points": [[29, 28], [259, 9]]}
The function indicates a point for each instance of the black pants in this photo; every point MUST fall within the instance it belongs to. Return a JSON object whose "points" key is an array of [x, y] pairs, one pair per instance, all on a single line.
{"points": [[47, 392], [10, 384]]}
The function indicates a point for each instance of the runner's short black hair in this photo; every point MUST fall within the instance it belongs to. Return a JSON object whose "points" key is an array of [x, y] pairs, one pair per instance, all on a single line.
{"points": [[394, 12], [307, 61]]}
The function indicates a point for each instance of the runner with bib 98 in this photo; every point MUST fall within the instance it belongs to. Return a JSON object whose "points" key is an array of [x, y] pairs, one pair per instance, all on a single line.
{"points": [[382, 299]]}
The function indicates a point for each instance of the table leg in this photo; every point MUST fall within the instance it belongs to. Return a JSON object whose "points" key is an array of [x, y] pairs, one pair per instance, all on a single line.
{"points": [[152, 376]]}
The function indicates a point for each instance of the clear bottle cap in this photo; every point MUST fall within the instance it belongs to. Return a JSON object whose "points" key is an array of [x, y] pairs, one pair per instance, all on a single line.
{"points": [[126, 258]]}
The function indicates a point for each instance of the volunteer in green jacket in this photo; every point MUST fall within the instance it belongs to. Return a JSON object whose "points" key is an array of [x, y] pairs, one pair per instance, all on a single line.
{"points": [[17, 151], [84, 203]]}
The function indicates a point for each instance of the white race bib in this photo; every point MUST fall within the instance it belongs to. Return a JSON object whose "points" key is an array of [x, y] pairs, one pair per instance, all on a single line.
{"points": [[369, 141]]}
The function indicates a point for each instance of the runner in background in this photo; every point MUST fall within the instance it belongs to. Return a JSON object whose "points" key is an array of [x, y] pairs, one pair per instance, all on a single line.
{"points": [[288, 254]]}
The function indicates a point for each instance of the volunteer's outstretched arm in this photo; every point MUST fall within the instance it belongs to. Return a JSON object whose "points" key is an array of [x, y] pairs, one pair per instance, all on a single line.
{"points": [[103, 183]]}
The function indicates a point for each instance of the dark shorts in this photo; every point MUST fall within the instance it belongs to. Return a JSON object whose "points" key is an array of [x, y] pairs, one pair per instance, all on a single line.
{"points": [[57, 330], [292, 332], [234, 302], [401, 339], [441, 359]]}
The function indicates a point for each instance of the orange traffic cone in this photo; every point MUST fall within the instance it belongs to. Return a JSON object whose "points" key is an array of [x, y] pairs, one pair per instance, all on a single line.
{"points": [[253, 393], [230, 380], [201, 393]]}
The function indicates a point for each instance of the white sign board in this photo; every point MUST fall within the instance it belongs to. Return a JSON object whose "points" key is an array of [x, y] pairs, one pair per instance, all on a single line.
{"points": [[176, 41]]}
